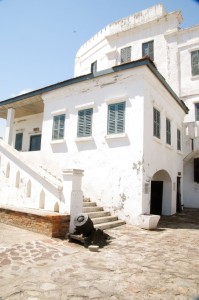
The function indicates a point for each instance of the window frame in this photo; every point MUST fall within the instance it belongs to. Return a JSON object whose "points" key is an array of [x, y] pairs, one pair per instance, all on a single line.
{"points": [[196, 169], [179, 140], [125, 55], [168, 131], [19, 141], [94, 67], [85, 123], [197, 111], [195, 66], [150, 52], [60, 127], [116, 118], [156, 123]]}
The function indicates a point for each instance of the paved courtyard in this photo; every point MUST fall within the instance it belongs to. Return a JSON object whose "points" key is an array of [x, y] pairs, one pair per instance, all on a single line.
{"points": [[138, 264]]}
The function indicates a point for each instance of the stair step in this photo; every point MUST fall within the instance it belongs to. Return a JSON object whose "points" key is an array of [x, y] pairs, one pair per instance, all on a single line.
{"points": [[89, 204], [92, 209], [104, 219], [108, 225], [98, 214], [86, 199]]}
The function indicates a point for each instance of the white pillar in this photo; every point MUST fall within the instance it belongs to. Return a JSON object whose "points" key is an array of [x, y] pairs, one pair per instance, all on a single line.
{"points": [[72, 179], [9, 126]]}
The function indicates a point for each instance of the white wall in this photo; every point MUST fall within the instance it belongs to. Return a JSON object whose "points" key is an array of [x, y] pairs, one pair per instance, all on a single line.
{"points": [[27, 126], [109, 163], [157, 154], [113, 166]]}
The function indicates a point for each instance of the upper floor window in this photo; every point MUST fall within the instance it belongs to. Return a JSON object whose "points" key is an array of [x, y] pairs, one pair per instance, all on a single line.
{"points": [[116, 118], [195, 62], [147, 49], [197, 111], [156, 123], [178, 139], [94, 67], [196, 170], [126, 54], [84, 127], [168, 131], [58, 127]]}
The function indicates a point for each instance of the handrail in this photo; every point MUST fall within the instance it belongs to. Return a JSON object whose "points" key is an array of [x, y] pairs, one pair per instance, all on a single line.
{"points": [[37, 172]]}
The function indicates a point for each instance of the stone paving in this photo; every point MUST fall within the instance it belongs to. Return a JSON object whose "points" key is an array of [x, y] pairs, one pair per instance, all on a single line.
{"points": [[137, 264]]}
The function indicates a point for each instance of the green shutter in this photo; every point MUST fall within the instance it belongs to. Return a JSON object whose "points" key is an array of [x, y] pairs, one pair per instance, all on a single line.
{"points": [[126, 54], [85, 122], [156, 123], [197, 111], [147, 49], [116, 118], [195, 62]]}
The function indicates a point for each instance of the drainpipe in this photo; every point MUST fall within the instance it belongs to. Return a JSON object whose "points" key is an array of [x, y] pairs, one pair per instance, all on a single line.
{"points": [[9, 126]]}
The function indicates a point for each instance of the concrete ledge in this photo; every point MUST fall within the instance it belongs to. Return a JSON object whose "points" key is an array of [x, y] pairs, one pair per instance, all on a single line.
{"points": [[49, 223]]}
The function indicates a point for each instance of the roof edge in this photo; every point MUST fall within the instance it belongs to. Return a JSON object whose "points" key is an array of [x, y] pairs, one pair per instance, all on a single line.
{"points": [[145, 61]]}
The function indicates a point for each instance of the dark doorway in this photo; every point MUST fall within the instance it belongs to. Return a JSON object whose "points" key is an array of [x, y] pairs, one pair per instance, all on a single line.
{"points": [[156, 197], [178, 196], [18, 141], [35, 142]]}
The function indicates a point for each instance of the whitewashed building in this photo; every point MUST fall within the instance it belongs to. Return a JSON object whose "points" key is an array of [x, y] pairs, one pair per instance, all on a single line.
{"points": [[121, 120]]}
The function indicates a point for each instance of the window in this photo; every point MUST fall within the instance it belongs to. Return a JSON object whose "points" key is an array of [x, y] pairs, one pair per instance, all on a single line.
{"points": [[196, 170], [197, 111], [168, 131], [18, 141], [147, 50], [94, 67], [178, 139], [58, 127], [35, 142], [195, 62], [125, 55], [156, 123], [116, 118], [85, 122]]}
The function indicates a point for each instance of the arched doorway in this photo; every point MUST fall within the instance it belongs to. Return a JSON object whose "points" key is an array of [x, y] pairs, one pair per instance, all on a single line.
{"points": [[161, 193]]}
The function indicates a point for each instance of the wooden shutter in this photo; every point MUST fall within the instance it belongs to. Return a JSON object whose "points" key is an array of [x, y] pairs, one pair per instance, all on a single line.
{"points": [[18, 141], [195, 62], [126, 54], [116, 118], [85, 122], [196, 170], [150, 51], [147, 49], [197, 111]]}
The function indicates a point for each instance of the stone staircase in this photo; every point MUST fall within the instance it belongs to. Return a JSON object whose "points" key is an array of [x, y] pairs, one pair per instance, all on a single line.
{"points": [[101, 219]]}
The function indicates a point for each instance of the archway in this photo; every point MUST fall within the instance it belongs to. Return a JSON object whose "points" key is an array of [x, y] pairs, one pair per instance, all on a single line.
{"points": [[161, 193]]}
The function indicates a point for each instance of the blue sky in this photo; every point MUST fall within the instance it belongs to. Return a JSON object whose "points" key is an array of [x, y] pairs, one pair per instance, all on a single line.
{"points": [[39, 38]]}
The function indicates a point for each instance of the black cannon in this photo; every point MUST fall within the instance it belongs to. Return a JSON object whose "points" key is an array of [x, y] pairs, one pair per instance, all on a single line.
{"points": [[86, 233]]}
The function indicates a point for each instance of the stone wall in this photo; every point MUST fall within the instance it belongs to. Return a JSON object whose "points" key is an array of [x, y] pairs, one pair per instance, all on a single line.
{"points": [[50, 224]]}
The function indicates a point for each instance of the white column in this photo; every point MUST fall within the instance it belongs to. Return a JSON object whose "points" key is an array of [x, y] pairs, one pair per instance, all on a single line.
{"points": [[72, 180], [9, 126]]}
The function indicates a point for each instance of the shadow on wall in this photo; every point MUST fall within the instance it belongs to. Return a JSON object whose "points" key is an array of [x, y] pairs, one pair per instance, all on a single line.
{"points": [[118, 142], [59, 147]]}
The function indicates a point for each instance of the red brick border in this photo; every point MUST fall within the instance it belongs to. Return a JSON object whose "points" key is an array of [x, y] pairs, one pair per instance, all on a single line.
{"points": [[50, 224]]}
